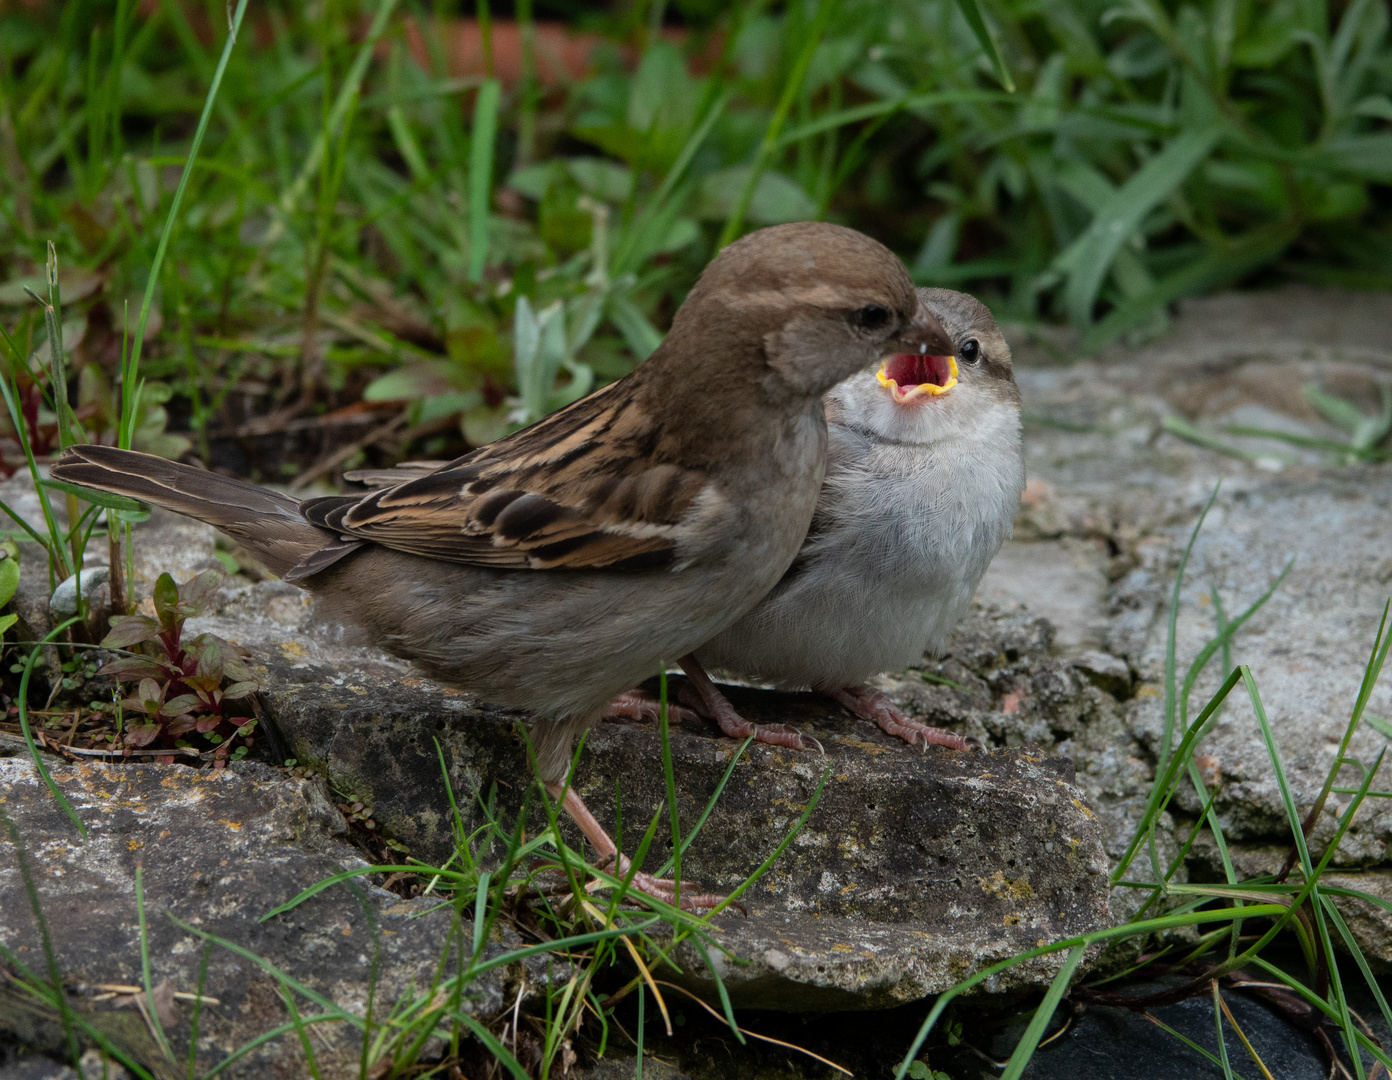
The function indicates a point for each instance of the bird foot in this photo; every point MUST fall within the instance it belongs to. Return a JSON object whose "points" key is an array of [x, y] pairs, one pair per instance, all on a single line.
{"points": [[871, 704], [637, 705], [703, 696], [731, 723], [665, 889]]}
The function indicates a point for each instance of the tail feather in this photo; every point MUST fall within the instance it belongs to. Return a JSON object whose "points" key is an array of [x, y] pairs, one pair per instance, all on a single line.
{"points": [[266, 523], [397, 474]]}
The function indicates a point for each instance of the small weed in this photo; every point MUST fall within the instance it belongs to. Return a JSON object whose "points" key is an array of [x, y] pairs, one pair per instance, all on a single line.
{"points": [[182, 687]]}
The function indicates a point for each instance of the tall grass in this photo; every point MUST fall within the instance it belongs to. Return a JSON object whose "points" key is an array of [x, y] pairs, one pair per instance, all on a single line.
{"points": [[595, 925], [363, 219], [1301, 907]]}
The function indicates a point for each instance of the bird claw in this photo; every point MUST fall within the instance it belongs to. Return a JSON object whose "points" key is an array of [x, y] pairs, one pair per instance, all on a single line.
{"points": [[735, 726], [870, 704], [613, 862], [637, 705], [664, 889]]}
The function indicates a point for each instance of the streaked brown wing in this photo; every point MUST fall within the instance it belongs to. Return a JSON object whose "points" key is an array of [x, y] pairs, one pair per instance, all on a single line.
{"points": [[583, 489]]}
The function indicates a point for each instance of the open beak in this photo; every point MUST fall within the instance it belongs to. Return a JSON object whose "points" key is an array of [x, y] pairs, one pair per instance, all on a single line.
{"points": [[922, 365]]}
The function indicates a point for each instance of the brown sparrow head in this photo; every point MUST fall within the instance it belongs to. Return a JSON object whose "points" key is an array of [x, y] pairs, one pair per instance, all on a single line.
{"points": [[818, 301]]}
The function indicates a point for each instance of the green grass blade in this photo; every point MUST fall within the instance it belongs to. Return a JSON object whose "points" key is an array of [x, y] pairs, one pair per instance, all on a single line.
{"points": [[1336, 986], [641, 337], [529, 88], [1165, 780], [481, 140], [670, 777], [1308, 442], [301, 1032], [1342, 414], [1171, 642], [1215, 827], [1162, 924], [1218, 1027], [1323, 1006], [830, 121], [710, 803], [1176, 425], [724, 994], [635, 235], [1221, 266], [461, 844], [131, 374], [204, 953], [480, 919], [1351, 945], [266, 1037], [325, 1003], [791, 87], [1122, 213], [552, 809], [500, 1053], [33, 986], [1372, 672], [156, 1027], [1029, 1042], [23, 705], [635, 864], [748, 882], [567, 942], [642, 1032], [58, 370], [1187, 1041], [98, 498], [345, 101], [346, 875], [1222, 641], [59, 999], [971, 11], [1282, 784], [59, 556]]}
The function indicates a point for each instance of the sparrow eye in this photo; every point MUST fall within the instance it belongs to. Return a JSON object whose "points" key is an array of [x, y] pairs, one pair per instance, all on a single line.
{"points": [[870, 317], [969, 352]]}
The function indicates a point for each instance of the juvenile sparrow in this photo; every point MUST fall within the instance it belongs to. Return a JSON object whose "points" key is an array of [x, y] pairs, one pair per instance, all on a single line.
{"points": [[554, 568], [924, 476]]}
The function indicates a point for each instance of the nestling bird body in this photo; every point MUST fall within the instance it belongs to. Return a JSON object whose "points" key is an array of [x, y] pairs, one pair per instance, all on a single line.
{"points": [[920, 492], [562, 564]]}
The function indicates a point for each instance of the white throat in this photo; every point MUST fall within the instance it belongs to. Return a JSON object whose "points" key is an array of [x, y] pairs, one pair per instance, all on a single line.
{"points": [[964, 415]]}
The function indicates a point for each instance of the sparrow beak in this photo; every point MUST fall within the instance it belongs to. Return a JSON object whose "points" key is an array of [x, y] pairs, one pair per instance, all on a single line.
{"points": [[923, 365]]}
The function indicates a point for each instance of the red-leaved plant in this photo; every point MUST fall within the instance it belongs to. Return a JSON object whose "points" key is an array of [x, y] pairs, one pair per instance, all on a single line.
{"points": [[182, 687]]}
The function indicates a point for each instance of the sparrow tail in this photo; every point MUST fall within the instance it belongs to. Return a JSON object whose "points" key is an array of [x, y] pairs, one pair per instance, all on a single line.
{"points": [[266, 523]]}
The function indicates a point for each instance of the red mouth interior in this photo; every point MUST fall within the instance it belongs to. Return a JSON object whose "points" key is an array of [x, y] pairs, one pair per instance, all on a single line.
{"points": [[911, 369]]}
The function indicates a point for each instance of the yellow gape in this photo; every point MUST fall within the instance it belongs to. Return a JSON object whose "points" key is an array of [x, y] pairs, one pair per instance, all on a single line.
{"points": [[921, 389]]}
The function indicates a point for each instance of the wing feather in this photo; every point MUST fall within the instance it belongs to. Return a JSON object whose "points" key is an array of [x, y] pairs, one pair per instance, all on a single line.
{"points": [[586, 488]]}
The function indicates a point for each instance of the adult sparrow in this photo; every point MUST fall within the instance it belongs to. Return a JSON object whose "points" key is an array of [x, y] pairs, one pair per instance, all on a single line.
{"points": [[554, 568], [924, 476]]}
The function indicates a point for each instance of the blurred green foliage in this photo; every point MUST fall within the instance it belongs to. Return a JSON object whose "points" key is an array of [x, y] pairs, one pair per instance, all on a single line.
{"points": [[363, 222]]}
